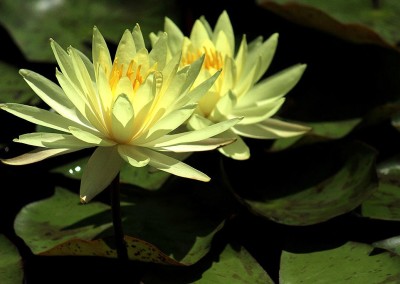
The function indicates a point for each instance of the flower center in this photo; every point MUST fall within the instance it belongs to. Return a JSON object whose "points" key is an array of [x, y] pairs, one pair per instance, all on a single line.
{"points": [[213, 59], [133, 73]]}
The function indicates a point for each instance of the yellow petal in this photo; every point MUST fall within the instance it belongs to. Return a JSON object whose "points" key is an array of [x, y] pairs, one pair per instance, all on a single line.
{"points": [[224, 27], [52, 140], [122, 119], [173, 166], [102, 167], [37, 155], [133, 155], [238, 150]]}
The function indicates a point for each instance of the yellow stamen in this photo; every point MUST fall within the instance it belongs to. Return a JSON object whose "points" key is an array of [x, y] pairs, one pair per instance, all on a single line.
{"points": [[213, 58], [133, 73]]}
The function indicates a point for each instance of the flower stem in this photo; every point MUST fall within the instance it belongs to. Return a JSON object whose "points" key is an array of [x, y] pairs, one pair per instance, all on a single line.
{"points": [[122, 252]]}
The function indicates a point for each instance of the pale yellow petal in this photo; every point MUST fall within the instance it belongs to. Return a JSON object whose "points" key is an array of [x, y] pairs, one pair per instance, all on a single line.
{"points": [[40, 116], [138, 37], [158, 54], [37, 155], [198, 34], [175, 36], [195, 135], [173, 166], [238, 150], [224, 27], [52, 140], [126, 50], [122, 119], [258, 113], [273, 87], [133, 155], [100, 53], [102, 167], [91, 137]]}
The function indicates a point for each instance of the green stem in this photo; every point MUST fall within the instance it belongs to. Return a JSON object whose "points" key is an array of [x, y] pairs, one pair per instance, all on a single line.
{"points": [[122, 251]]}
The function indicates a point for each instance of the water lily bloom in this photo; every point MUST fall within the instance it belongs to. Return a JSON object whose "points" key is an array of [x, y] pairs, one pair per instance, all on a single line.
{"points": [[128, 109], [238, 91]]}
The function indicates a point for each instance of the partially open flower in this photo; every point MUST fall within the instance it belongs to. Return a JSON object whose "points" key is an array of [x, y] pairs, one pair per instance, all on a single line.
{"points": [[127, 109], [238, 92]]}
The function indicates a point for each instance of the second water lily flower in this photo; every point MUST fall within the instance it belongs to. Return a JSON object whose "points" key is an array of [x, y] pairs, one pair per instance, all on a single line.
{"points": [[238, 92], [127, 109]]}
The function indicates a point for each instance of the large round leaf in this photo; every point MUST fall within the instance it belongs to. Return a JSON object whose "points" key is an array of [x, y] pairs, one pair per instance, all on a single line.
{"points": [[11, 271], [350, 263], [358, 20], [307, 185], [32, 23], [385, 202]]}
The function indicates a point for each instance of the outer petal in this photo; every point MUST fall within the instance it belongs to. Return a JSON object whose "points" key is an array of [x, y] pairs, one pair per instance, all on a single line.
{"points": [[37, 155], [238, 150], [91, 137], [40, 116], [173, 166], [175, 35], [270, 129], [52, 95], [193, 136], [203, 145], [224, 25], [258, 113], [100, 53], [138, 37], [273, 87], [102, 167], [52, 140], [198, 34], [133, 155]]}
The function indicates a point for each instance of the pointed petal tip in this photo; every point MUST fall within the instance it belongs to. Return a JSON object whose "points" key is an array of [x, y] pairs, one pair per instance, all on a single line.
{"points": [[83, 199]]}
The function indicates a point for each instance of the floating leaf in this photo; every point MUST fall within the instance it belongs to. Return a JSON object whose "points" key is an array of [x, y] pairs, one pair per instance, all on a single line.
{"points": [[47, 223], [137, 250], [357, 21], [174, 227], [310, 185], [11, 271], [71, 22], [385, 202], [349, 263], [13, 89], [235, 265]]}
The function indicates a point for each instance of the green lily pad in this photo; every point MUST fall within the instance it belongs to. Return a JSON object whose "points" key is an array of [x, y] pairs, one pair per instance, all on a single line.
{"points": [[320, 131], [385, 202], [235, 265], [357, 21], [71, 22], [47, 223], [174, 227], [391, 244], [13, 89], [349, 263], [309, 185], [142, 177], [11, 270]]}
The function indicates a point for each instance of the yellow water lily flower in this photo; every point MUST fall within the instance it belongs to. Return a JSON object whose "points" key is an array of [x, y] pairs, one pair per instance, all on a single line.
{"points": [[127, 109], [238, 91]]}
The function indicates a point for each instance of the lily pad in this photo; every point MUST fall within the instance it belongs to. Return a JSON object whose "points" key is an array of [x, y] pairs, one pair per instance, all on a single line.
{"points": [[309, 185], [11, 270], [350, 263], [385, 202], [71, 22], [47, 223], [13, 89], [358, 21], [235, 265], [174, 227]]}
